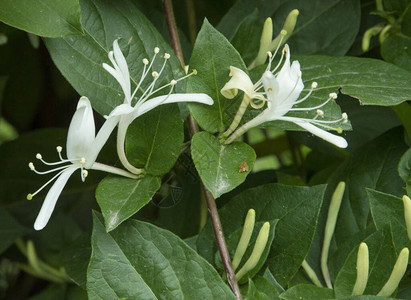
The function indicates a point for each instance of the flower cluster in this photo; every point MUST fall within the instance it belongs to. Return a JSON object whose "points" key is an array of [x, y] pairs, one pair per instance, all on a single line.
{"points": [[83, 145], [281, 92]]}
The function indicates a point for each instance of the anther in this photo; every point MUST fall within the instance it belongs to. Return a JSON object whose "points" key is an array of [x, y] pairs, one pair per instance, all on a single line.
{"points": [[145, 61], [156, 50], [173, 82], [314, 85], [85, 173], [59, 149], [154, 74], [29, 196], [31, 166], [38, 156], [166, 56], [345, 117], [194, 72], [269, 54], [320, 112], [339, 130], [82, 160], [283, 32], [333, 95]]}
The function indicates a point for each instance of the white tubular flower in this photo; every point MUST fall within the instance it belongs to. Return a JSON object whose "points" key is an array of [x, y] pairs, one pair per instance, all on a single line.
{"points": [[128, 111], [83, 148], [281, 92]]}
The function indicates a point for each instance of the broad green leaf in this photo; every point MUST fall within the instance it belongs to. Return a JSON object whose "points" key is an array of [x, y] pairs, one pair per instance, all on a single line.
{"points": [[397, 50], [370, 166], [366, 298], [10, 230], [371, 81], [307, 292], [141, 261], [212, 57], [404, 169], [404, 289], [254, 294], [61, 291], [120, 198], [388, 209], [49, 18], [323, 27], [80, 58], [76, 259], [219, 165], [154, 140], [382, 258], [232, 242], [403, 111], [297, 210]]}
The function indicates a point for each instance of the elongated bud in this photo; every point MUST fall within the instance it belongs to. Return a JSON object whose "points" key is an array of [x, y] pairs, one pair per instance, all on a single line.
{"points": [[384, 33], [329, 229], [373, 31], [396, 275], [265, 42], [362, 270], [288, 29], [245, 238], [407, 214], [258, 250]]}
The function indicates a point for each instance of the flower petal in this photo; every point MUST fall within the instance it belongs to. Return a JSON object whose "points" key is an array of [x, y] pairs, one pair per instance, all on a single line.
{"points": [[325, 135], [271, 88], [239, 81], [122, 64], [120, 110], [82, 130], [174, 98], [51, 198], [100, 140]]}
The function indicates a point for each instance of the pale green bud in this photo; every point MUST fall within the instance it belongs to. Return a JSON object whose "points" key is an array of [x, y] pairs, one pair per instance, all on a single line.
{"points": [[362, 270]]}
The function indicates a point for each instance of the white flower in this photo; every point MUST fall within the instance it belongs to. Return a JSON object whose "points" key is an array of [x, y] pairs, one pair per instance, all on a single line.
{"points": [[83, 147], [281, 93], [129, 111]]}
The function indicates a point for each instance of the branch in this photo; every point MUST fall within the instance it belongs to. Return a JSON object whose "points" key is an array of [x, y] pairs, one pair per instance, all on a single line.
{"points": [[215, 219]]}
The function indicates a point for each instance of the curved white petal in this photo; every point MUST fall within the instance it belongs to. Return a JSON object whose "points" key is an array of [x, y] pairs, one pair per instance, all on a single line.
{"points": [[51, 198], [271, 87], [325, 135], [82, 130], [122, 64], [174, 98], [100, 140], [122, 109], [239, 81]]}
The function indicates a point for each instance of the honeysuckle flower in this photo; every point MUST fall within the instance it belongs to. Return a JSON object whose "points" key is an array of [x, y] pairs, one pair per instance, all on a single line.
{"points": [[281, 93], [130, 109], [83, 147]]}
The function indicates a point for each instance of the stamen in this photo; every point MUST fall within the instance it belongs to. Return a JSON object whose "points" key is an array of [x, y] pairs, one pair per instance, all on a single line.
{"points": [[156, 50], [31, 166], [145, 61], [166, 56], [38, 156], [173, 82], [154, 74], [320, 113], [313, 86], [30, 196], [194, 72], [332, 96]]}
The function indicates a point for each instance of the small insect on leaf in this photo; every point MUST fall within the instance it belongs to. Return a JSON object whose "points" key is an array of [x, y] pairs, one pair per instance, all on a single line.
{"points": [[243, 167]]}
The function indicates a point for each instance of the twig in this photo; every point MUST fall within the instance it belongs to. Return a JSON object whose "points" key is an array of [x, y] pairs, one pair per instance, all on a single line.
{"points": [[215, 219]]}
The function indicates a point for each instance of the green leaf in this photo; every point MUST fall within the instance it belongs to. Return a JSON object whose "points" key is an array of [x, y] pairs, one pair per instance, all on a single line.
{"points": [[80, 58], [141, 261], [154, 140], [254, 294], [382, 258], [388, 209], [219, 165], [371, 81], [61, 291], [10, 230], [323, 27], [396, 49], [264, 286], [366, 298], [49, 18], [307, 292], [297, 210], [404, 169], [212, 57], [120, 198]]}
